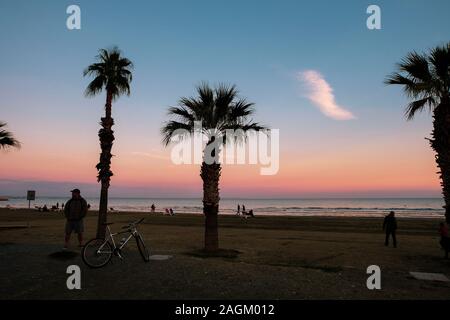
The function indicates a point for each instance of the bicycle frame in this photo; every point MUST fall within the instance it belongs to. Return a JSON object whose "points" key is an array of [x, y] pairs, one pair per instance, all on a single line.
{"points": [[132, 233]]}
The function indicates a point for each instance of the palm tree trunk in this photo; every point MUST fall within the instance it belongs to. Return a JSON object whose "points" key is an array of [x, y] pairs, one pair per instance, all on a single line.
{"points": [[106, 136], [210, 174], [440, 142], [102, 212]]}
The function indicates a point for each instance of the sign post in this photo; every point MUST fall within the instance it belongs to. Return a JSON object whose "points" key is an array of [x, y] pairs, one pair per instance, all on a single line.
{"points": [[31, 195]]}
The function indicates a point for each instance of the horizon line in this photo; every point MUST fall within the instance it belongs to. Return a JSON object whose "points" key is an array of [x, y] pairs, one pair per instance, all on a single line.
{"points": [[250, 198]]}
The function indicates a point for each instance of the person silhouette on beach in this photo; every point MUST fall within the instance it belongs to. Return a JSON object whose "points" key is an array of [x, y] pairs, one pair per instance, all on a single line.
{"points": [[153, 208], [238, 209], [390, 227], [243, 208], [75, 210]]}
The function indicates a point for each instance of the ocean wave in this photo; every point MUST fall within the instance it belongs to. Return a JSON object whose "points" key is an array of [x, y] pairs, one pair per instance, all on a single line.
{"points": [[300, 207]]}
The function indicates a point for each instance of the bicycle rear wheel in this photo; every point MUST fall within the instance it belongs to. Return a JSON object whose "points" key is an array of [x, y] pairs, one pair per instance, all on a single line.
{"points": [[97, 253], [142, 248]]}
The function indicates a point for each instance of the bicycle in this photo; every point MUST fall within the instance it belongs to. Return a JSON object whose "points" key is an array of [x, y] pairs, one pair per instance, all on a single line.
{"points": [[98, 252]]}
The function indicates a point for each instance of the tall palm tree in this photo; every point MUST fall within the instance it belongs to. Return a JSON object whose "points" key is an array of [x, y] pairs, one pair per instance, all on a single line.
{"points": [[426, 81], [6, 138], [217, 109], [112, 73]]}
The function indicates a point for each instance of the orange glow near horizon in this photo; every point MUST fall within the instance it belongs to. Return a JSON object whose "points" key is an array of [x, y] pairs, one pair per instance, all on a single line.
{"points": [[346, 171]]}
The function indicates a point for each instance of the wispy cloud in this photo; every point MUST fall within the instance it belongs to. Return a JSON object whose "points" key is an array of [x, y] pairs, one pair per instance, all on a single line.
{"points": [[320, 93], [153, 155]]}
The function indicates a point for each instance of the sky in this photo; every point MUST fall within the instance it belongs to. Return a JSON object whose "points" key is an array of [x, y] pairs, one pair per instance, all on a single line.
{"points": [[313, 69]]}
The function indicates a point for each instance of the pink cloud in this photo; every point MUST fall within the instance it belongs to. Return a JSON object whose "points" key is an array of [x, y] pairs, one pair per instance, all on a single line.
{"points": [[320, 93]]}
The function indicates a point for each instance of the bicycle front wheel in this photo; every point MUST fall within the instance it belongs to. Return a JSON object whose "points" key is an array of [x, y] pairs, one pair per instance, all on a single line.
{"points": [[142, 248], [97, 253]]}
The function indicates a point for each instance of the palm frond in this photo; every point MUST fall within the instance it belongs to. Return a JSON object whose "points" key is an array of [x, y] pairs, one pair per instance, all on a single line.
{"points": [[241, 108], [440, 60], [417, 105], [413, 89], [416, 65], [218, 109], [173, 128], [224, 97], [184, 113], [112, 72], [7, 139], [425, 78], [240, 131], [95, 86]]}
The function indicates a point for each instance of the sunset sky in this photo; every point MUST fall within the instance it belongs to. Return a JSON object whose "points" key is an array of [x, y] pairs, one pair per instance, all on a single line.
{"points": [[313, 69]]}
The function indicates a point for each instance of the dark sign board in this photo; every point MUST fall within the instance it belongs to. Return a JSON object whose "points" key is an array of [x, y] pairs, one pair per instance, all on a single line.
{"points": [[31, 195]]}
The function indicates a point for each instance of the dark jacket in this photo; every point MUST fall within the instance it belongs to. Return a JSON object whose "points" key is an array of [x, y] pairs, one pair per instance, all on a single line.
{"points": [[390, 224], [75, 209]]}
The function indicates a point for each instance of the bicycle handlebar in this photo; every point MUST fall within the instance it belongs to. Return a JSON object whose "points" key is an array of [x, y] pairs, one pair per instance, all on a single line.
{"points": [[133, 224], [140, 220]]}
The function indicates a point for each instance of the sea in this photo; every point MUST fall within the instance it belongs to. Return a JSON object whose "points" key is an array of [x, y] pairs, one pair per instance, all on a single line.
{"points": [[371, 207]]}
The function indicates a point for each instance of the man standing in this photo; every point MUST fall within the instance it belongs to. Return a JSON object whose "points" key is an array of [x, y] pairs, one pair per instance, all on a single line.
{"points": [[75, 210], [390, 227]]}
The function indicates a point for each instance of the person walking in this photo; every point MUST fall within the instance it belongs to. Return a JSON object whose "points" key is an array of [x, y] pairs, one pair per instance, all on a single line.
{"points": [[75, 210], [390, 227]]}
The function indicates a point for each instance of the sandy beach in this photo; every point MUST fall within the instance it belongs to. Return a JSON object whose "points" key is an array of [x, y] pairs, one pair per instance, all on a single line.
{"points": [[278, 258]]}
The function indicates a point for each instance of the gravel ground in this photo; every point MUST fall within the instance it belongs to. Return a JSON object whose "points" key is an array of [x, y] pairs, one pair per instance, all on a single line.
{"points": [[279, 258]]}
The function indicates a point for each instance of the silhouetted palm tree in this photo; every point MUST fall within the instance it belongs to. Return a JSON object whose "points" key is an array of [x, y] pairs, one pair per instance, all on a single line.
{"points": [[217, 110], [112, 73], [6, 138], [426, 80]]}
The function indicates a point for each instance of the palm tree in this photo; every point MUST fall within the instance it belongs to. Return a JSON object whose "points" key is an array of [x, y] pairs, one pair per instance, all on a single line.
{"points": [[6, 138], [112, 73], [217, 110], [426, 81]]}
